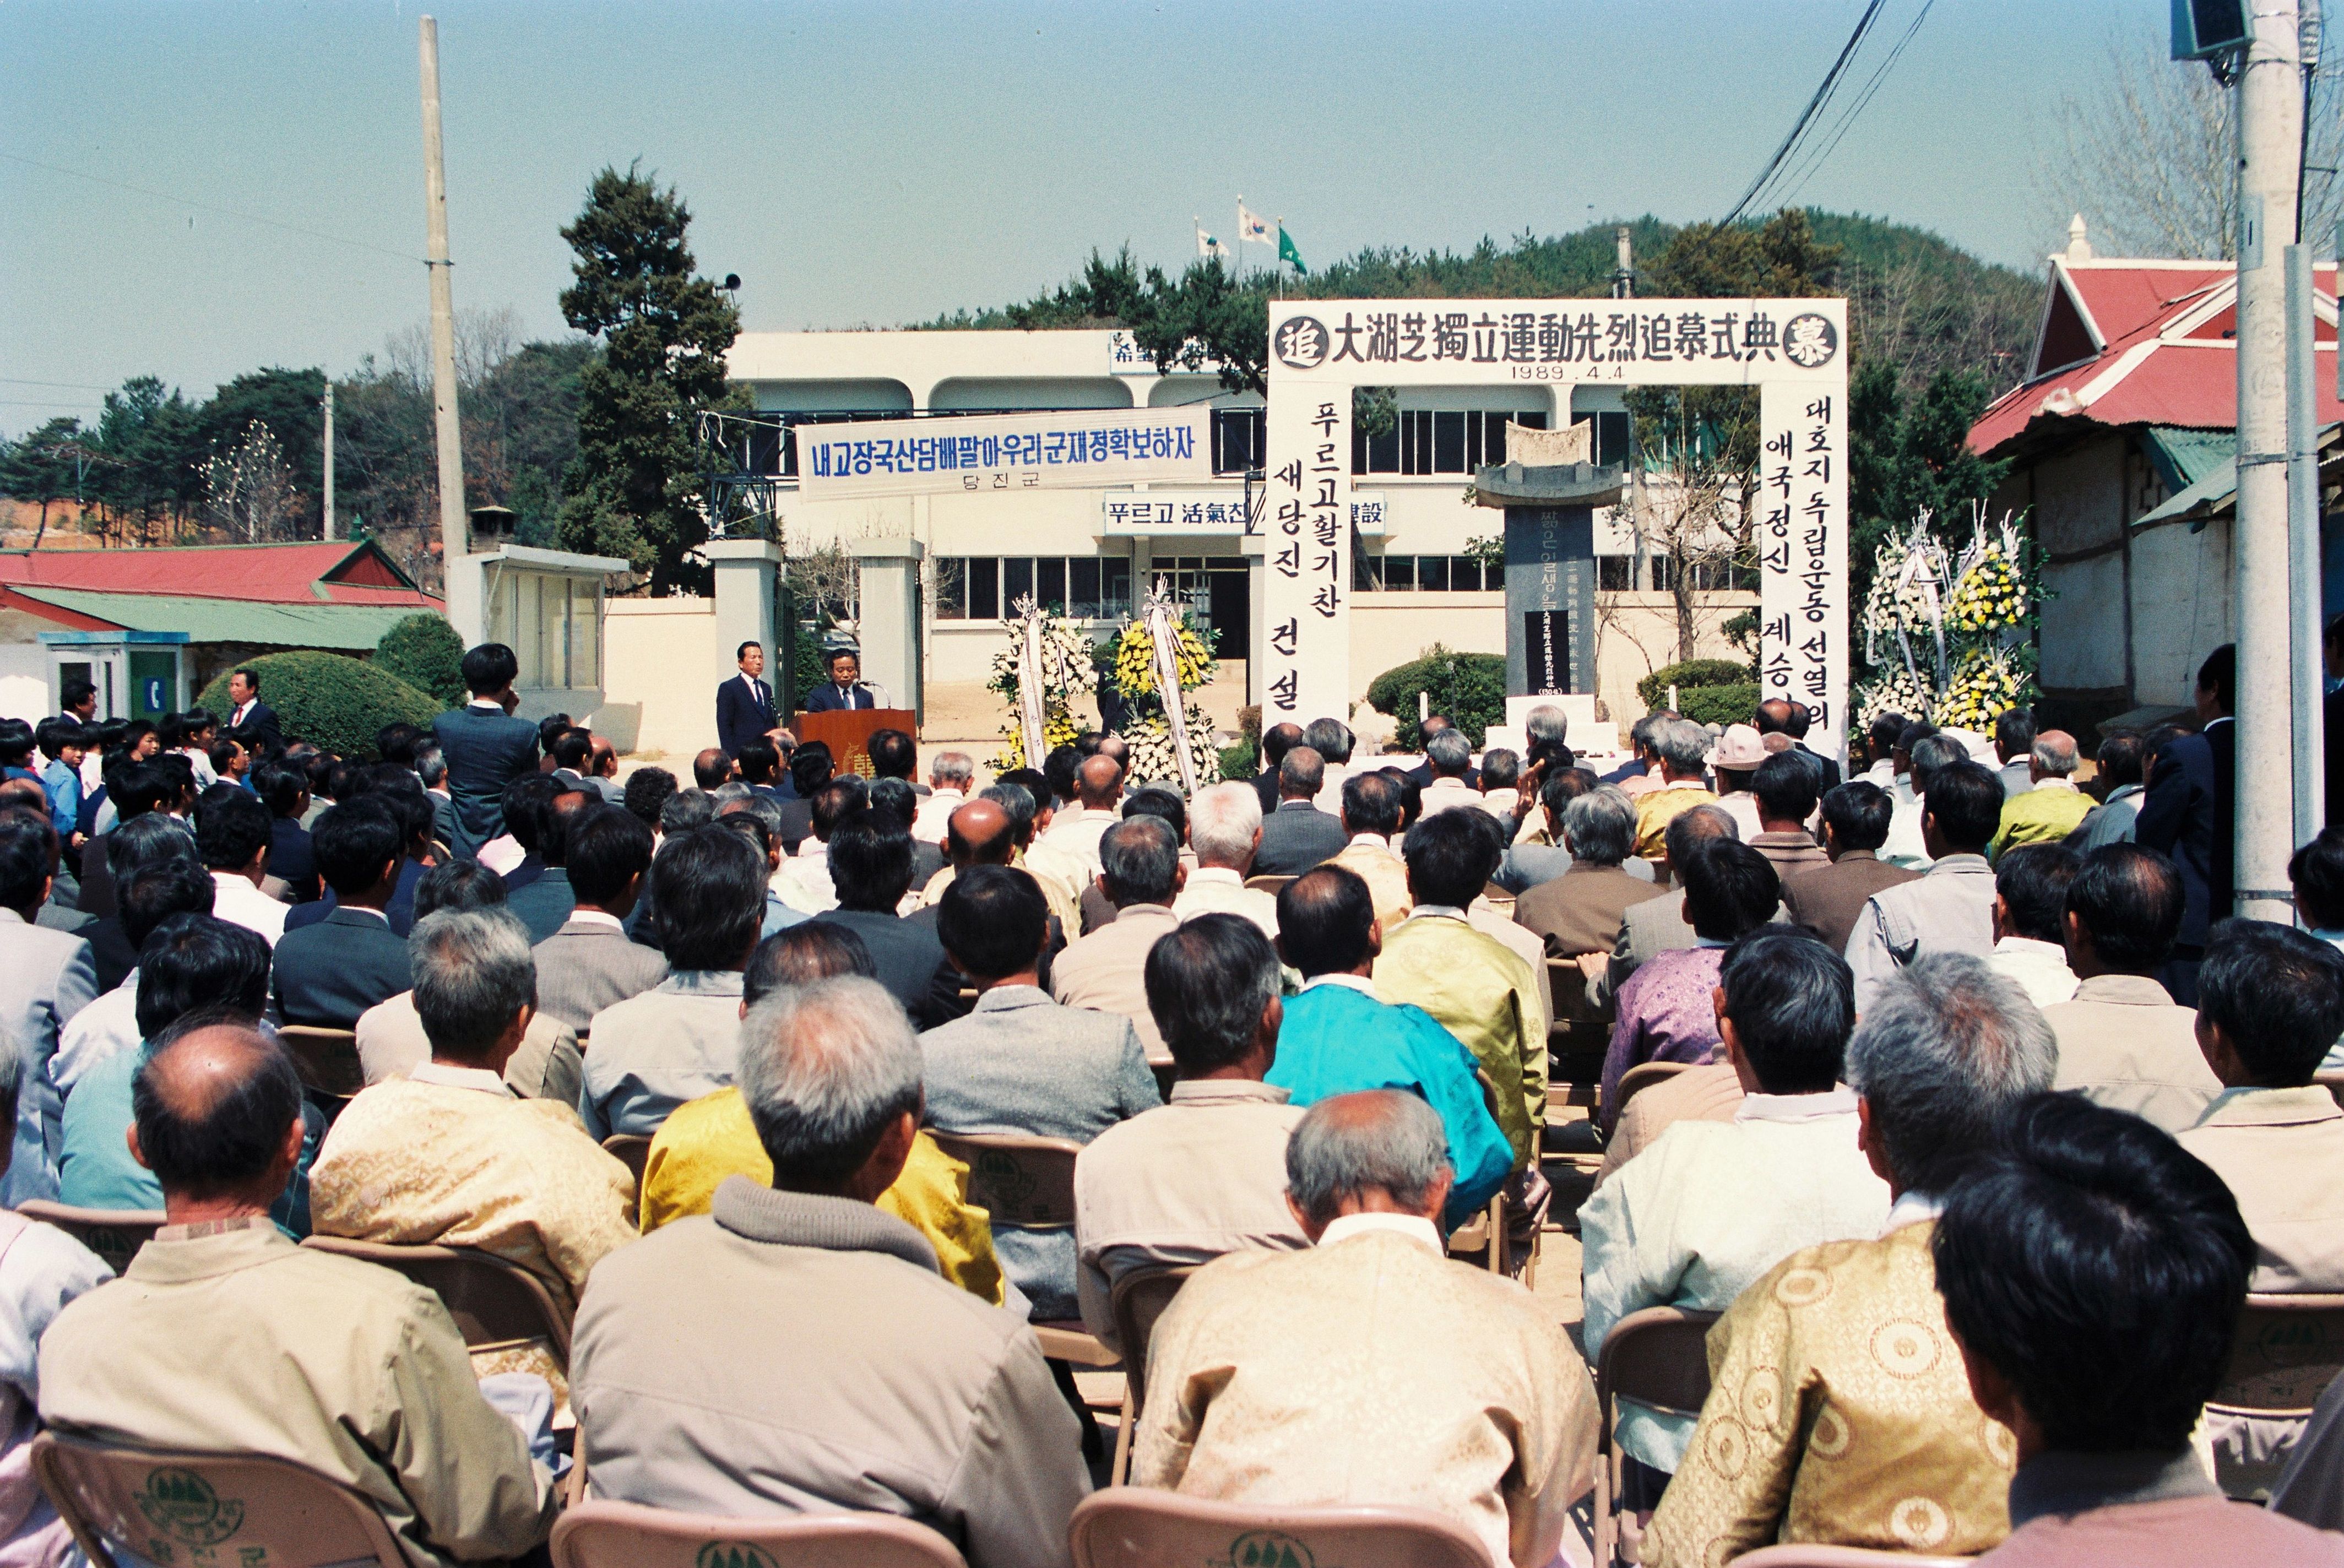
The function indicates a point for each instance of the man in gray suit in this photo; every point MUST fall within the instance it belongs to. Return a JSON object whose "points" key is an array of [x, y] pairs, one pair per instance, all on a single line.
{"points": [[1657, 925], [1297, 836], [485, 747], [589, 964], [1021, 1064], [46, 977]]}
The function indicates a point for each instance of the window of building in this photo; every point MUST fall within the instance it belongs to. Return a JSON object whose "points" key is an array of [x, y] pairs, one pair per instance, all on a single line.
{"points": [[553, 624], [1432, 574], [1611, 432], [988, 587], [1440, 441], [1238, 440], [1613, 574]]}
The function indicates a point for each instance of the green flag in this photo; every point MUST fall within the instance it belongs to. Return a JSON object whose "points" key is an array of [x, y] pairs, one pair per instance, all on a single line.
{"points": [[1286, 251]]}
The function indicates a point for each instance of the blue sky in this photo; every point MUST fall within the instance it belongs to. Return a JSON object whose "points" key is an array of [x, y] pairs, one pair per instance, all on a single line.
{"points": [[875, 163]]}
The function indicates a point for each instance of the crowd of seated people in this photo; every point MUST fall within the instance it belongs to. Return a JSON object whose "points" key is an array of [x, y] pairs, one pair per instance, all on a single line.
{"points": [[1976, 1192]]}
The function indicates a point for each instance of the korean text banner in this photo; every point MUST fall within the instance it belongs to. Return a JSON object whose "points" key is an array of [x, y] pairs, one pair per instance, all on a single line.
{"points": [[1003, 453]]}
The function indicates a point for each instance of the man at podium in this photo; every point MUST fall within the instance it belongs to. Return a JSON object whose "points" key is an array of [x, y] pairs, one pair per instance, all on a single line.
{"points": [[845, 688]]}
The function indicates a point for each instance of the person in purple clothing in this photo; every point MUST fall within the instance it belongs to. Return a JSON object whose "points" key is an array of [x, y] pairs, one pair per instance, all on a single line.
{"points": [[1667, 1012]]}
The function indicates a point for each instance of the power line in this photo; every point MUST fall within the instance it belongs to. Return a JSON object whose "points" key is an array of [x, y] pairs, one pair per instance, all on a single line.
{"points": [[77, 386], [1809, 166], [217, 211], [1814, 106]]}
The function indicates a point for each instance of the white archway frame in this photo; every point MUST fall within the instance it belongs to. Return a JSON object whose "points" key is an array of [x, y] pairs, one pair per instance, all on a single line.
{"points": [[1794, 351]]}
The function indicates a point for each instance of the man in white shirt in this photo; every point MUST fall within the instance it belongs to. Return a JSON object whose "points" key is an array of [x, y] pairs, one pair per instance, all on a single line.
{"points": [[1905, 847], [232, 832], [1450, 755], [1225, 829], [802, 881], [1692, 1221], [2030, 902], [1076, 833], [949, 777]]}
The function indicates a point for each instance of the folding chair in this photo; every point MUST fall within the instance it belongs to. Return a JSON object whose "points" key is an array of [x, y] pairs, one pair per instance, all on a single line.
{"points": [[327, 1060], [1140, 1527], [1575, 1037], [1643, 1076], [634, 1151], [170, 1507], [1030, 1182], [2287, 1349], [1659, 1357], [623, 1535], [1818, 1556], [1137, 1300], [496, 1305], [113, 1234], [1485, 1234], [1268, 883]]}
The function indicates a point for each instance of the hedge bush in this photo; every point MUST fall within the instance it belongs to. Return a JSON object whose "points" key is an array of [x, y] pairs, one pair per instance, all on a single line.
{"points": [[1238, 761], [424, 651], [1734, 704], [1692, 673], [1469, 689], [337, 701]]}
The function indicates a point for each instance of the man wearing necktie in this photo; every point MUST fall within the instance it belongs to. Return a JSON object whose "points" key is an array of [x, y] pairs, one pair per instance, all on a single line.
{"points": [[844, 688], [744, 703]]}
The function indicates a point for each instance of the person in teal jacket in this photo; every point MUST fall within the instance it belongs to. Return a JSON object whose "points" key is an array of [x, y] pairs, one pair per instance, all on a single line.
{"points": [[1339, 1036]]}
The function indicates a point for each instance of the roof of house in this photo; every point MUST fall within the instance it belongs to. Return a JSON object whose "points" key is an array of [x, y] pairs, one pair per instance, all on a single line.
{"points": [[2139, 342], [334, 572], [329, 625]]}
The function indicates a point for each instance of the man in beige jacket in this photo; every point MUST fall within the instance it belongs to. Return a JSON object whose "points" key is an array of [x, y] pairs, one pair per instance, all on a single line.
{"points": [[1370, 1368]]}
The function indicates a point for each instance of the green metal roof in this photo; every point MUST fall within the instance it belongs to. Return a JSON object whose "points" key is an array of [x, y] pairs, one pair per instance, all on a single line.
{"points": [[2183, 456], [346, 626]]}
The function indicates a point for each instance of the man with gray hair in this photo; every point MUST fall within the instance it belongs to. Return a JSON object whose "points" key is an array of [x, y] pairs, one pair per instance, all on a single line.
{"points": [[1848, 1340], [1580, 911], [446, 1154], [1297, 836], [1929, 755], [1333, 741], [2053, 807], [796, 1350], [949, 777], [1371, 1368], [1141, 872], [1224, 830], [1450, 755], [1682, 750], [1656, 924]]}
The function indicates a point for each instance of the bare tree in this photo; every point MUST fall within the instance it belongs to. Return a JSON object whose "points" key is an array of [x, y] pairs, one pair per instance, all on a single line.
{"points": [[484, 340], [248, 492], [2150, 158]]}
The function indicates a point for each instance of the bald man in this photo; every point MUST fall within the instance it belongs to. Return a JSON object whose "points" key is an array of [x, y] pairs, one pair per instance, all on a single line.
{"points": [[1074, 833], [2054, 807], [983, 834], [368, 1382]]}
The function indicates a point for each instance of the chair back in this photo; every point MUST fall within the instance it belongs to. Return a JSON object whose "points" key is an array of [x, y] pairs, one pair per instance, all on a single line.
{"points": [[1139, 1527], [1027, 1181], [1818, 1556], [2333, 1083], [633, 1149], [1658, 1357], [328, 1059], [624, 1535], [113, 1234], [1643, 1076], [496, 1305], [1268, 883], [1139, 1299], [2287, 1349], [170, 1507], [1578, 1035]]}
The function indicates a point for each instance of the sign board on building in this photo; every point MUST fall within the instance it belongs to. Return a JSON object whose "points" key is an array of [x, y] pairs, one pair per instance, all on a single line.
{"points": [[1165, 513], [1793, 350], [1003, 453]]}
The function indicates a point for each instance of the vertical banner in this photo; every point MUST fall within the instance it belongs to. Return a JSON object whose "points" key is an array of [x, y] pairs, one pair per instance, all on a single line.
{"points": [[1307, 555], [1801, 536]]}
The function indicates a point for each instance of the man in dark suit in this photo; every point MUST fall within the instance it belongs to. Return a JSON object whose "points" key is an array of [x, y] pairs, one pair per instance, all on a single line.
{"points": [[247, 711], [1297, 836], [1421, 775], [485, 747], [870, 865], [544, 903], [744, 703], [844, 688], [1276, 742], [2190, 814], [330, 972], [1793, 719], [1826, 901]]}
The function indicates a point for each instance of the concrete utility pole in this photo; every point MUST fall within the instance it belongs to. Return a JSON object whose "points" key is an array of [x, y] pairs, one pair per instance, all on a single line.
{"points": [[329, 532], [2270, 118], [463, 587]]}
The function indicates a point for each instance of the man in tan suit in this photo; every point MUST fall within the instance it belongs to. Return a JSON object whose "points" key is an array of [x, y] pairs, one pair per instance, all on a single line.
{"points": [[1371, 813], [1106, 971], [1828, 899], [2122, 1040], [1370, 1368], [1580, 911]]}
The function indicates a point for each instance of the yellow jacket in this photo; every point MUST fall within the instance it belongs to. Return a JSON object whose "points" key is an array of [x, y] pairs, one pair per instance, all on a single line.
{"points": [[1483, 994]]}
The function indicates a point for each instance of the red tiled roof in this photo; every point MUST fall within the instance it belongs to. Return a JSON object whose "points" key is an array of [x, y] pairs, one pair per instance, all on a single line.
{"points": [[2165, 356], [335, 572]]}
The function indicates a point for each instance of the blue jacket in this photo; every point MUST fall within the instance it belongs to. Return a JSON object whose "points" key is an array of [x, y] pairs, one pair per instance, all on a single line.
{"points": [[485, 752], [1338, 1040]]}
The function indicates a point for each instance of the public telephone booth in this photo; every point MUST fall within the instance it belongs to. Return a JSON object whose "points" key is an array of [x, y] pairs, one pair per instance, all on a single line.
{"points": [[139, 674]]}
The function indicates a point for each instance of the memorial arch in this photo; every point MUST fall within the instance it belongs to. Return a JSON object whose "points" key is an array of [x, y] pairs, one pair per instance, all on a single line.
{"points": [[1793, 350]]}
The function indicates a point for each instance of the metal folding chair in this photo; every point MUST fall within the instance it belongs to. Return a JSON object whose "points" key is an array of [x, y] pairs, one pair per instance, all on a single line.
{"points": [[1029, 1182], [1140, 1527], [1137, 1300], [622, 1535], [2287, 1351], [1659, 1357], [496, 1305], [113, 1234]]}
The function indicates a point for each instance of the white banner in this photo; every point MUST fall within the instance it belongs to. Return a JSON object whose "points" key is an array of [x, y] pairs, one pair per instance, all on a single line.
{"points": [[1167, 513], [1307, 570], [1083, 448], [1800, 532]]}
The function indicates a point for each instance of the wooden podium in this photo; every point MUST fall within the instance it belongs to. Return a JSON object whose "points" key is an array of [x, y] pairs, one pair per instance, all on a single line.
{"points": [[847, 732]]}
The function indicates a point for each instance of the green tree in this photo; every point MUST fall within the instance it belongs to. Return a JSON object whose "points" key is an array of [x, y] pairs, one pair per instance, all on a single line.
{"points": [[425, 651], [41, 468], [1206, 317], [1908, 455], [289, 405], [150, 446], [633, 490]]}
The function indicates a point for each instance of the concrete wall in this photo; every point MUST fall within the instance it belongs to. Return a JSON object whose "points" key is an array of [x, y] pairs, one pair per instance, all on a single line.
{"points": [[664, 653], [2181, 607]]}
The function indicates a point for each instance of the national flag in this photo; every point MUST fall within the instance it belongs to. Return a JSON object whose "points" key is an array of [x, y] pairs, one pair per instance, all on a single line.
{"points": [[1207, 244], [1286, 251], [1252, 226]]}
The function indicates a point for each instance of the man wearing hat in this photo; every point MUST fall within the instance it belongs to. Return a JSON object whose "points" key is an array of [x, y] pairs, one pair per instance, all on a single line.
{"points": [[1735, 764]]}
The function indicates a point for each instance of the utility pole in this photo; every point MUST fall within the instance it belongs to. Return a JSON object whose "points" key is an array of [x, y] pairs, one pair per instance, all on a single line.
{"points": [[2270, 118], [329, 532], [463, 586]]}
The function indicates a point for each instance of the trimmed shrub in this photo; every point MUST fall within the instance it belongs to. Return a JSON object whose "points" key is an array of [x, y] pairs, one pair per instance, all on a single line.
{"points": [[424, 651], [1734, 704], [1469, 689], [1238, 761], [334, 701], [1692, 673]]}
